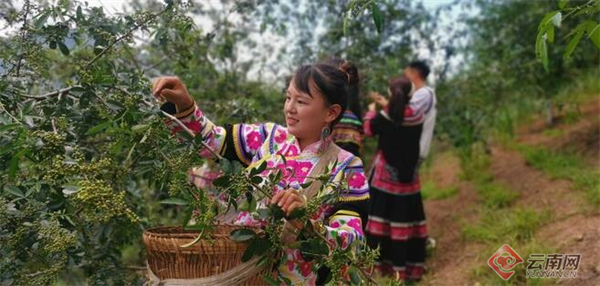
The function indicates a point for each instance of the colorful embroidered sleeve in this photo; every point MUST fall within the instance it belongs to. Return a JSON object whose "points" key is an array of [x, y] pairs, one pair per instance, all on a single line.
{"points": [[235, 142], [344, 228], [368, 123], [345, 224], [375, 122]]}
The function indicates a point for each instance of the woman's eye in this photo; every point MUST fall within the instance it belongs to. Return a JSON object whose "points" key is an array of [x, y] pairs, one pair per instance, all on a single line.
{"points": [[301, 102], [287, 98]]}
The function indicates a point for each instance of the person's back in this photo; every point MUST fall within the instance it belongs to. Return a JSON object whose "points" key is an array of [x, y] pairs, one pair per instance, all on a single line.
{"points": [[399, 144], [423, 98], [426, 96], [396, 214]]}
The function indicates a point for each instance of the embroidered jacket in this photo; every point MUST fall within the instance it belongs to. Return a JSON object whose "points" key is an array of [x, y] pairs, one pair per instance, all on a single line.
{"points": [[251, 143]]}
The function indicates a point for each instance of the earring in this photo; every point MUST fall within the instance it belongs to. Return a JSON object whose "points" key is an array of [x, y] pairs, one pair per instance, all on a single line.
{"points": [[325, 138]]}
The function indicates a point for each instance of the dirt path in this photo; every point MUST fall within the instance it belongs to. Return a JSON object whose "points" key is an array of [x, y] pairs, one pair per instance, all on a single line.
{"points": [[452, 254], [573, 229]]}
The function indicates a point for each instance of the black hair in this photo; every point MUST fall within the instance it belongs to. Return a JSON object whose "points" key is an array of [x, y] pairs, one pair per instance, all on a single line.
{"points": [[421, 67], [329, 81], [400, 89], [353, 84]]}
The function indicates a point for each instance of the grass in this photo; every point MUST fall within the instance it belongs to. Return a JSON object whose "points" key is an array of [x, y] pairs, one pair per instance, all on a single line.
{"points": [[553, 132], [566, 166], [475, 165], [430, 191], [496, 195], [505, 225], [515, 228]]}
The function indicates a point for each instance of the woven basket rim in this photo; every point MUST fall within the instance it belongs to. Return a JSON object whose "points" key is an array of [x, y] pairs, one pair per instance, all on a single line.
{"points": [[180, 232]]}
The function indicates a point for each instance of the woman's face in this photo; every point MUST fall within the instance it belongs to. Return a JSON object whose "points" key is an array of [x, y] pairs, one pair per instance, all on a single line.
{"points": [[305, 116]]}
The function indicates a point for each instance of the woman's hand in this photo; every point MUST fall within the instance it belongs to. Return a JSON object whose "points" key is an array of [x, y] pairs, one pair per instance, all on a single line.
{"points": [[379, 99], [289, 200], [173, 90]]}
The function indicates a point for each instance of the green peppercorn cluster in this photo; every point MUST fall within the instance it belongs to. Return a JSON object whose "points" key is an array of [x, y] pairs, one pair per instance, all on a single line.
{"points": [[53, 142], [100, 203], [27, 234], [56, 239]]}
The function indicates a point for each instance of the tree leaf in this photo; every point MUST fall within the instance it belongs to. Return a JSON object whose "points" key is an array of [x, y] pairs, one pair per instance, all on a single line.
{"points": [[174, 201], [256, 179], [262, 167], [14, 163], [542, 51], [263, 213], [79, 14], [225, 165], [98, 128], [70, 189], [5, 127], [377, 18], [41, 20], [284, 160], [354, 276], [574, 41], [550, 34], [593, 31], [187, 216], [306, 185], [63, 48], [250, 250], [562, 4], [14, 190], [297, 213], [139, 127], [276, 211], [242, 234], [546, 20], [222, 181]]}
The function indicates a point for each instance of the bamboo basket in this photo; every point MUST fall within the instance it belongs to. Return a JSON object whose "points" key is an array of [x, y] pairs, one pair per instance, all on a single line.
{"points": [[168, 260]]}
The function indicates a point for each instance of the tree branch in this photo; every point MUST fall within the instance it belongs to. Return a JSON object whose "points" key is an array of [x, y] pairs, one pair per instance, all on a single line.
{"points": [[27, 6], [51, 94], [185, 128], [111, 45]]}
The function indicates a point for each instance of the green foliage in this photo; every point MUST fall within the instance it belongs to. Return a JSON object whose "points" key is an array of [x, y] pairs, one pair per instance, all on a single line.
{"points": [[241, 189], [499, 81], [587, 26], [87, 159], [501, 226]]}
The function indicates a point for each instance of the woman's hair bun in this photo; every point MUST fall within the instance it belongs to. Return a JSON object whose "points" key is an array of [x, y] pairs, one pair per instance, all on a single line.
{"points": [[351, 72]]}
